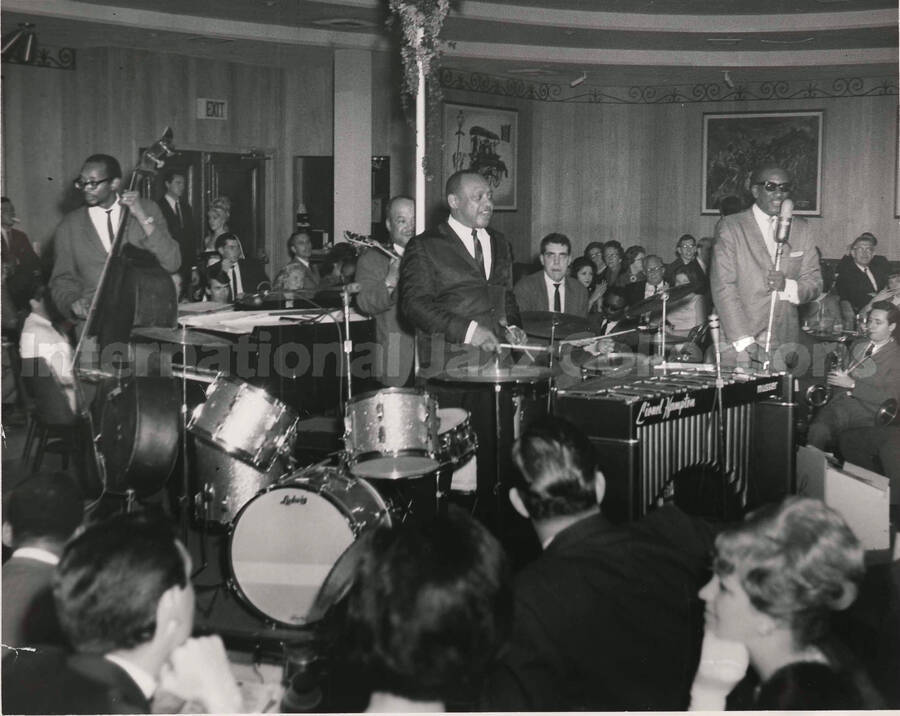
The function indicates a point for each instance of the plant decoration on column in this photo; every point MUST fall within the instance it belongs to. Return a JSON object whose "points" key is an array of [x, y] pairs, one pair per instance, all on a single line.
{"points": [[421, 22]]}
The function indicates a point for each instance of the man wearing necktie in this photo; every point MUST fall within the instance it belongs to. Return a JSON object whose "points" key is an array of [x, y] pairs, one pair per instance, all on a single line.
{"points": [[552, 289], [456, 280], [179, 218], [871, 377], [859, 276], [84, 237], [743, 275], [23, 267]]}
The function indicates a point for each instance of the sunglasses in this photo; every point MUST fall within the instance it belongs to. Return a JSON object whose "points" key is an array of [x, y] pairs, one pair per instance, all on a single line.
{"points": [[82, 184], [772, 186]]}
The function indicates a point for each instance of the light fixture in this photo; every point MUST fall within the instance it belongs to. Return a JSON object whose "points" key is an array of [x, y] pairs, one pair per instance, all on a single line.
{"points": [[578, 80], [20, 41]]}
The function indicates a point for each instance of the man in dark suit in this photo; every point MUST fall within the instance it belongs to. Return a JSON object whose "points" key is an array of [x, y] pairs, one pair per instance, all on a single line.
{"points": [[23, 267], [179, 219], [743, 274], [39, 516], [859, 276], [872, 377], [244, 275], [686, 248], [456, 280], [607, 618], [553, 289], [125, 601], [377, 276], [84, 237], [298, 273]]}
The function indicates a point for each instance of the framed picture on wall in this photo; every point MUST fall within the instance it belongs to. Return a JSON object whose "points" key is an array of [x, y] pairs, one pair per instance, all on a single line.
{"points": [[486, 140], [733, 144]]}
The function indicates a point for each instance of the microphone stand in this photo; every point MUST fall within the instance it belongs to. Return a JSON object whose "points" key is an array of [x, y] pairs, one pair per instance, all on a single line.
{"points": [[348, 341], [664, 297], [778, 252], [553, 326]]}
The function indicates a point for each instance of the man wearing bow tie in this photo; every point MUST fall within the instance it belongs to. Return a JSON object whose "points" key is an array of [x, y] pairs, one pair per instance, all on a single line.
{"points": [[871, 377], [743, 275]]}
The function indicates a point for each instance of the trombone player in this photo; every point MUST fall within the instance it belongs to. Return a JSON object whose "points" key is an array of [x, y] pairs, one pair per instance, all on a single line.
{"points": [[871, 378]]}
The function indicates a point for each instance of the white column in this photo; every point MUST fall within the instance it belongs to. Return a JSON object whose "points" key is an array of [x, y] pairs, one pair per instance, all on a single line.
{"points": [[352, 142]]}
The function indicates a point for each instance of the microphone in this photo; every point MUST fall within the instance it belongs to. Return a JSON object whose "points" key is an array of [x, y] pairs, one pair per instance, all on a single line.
{"points": [[784, 221], [714, 333]]}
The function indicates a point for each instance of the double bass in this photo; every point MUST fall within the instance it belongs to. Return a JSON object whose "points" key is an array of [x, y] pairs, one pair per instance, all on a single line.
{"points": [[138, 443]]}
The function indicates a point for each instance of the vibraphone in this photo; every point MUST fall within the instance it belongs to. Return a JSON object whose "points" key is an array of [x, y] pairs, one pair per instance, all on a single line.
{"points": [[645, 429]]}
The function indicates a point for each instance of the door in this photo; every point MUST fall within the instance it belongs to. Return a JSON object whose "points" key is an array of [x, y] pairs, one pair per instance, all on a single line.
{"points": [[240, 177]]}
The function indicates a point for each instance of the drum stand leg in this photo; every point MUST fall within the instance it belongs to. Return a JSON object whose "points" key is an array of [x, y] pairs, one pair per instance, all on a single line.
{"points": [[498, 458]]}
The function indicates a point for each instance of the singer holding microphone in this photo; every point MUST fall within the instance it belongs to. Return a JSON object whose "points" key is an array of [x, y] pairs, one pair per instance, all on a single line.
{"points": [[762, 250]]}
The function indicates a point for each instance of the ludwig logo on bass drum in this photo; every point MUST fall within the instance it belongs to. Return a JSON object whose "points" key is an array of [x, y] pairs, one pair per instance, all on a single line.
{"points": [[292, 500]]}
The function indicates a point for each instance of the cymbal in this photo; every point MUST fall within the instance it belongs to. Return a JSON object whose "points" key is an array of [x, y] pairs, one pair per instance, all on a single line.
{"points": [[495, 374], [540, 323], [653, 304], [181, 337]]}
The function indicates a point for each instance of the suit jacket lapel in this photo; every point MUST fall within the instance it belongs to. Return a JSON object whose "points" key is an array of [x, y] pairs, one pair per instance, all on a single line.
{"points": [[755, 239], [451, 236]]}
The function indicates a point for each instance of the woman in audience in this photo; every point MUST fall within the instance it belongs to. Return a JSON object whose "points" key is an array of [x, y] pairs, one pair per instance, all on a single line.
{"points": [[428, 611], [634, 266], [217, 217], [594, 252], [613, 255], [582, 269], [777, 578]]}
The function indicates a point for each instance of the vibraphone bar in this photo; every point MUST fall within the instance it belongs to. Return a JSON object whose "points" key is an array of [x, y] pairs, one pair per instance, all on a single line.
{"points": [[646, 429]]}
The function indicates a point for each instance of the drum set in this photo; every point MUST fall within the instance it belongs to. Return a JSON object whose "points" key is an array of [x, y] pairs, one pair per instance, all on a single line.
{"points": [[287, 528]]}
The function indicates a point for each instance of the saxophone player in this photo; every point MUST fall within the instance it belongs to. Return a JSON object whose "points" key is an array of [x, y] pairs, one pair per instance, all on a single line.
{"points": [[871, 378]]}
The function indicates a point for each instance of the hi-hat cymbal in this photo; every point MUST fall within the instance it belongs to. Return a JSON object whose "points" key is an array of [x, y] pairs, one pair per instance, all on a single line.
{"points": [[653, 304], [182, 337], [541, 323]]}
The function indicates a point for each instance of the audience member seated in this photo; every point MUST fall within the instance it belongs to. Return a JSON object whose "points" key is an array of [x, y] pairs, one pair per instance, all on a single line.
{"points": [[891, 292], [860, 275], [778, 577], [684, 315], [39, 516], [298, 273], [583, 270], [23, 267], [41, 339], [613, 314], [244, 275], [607, 618], [339, 268], [552, 289], [634, 264], [217, 216], [686, 248], [427, 614], [594, 252], [218, 287], [613, 257], [871, 377], [125, 601]]}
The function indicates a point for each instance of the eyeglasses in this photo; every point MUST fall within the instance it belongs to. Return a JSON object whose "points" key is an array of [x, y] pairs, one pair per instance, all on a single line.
{"points": [[654, 269], [92, 184], [864, 249], [773, 186]]}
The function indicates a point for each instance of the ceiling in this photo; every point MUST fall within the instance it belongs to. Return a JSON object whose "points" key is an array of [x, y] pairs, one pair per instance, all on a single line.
{"points": [[613, 42]]}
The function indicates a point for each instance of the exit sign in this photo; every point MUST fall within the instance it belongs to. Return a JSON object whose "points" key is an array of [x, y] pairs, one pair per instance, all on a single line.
{"points": [[212, 108]]}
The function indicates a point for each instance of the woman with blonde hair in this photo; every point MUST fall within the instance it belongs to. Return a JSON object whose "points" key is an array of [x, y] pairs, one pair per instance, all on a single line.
{"points": [[778, 577], [217, 216]]}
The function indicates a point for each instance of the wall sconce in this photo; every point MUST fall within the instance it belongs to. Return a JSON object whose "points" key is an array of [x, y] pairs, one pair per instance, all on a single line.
{"points": [[20, 48]]}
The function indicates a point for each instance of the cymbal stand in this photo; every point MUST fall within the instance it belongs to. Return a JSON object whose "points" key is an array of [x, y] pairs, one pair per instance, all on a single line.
{"points": [[553, 326], [348, 342], [664, 297]]}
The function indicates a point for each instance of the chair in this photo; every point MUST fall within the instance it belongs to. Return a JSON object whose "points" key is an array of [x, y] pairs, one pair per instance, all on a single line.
{"points": [[56, 427]]}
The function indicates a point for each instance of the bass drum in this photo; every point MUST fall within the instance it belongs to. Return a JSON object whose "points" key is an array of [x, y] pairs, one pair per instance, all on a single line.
{"points": [[286, 541]]}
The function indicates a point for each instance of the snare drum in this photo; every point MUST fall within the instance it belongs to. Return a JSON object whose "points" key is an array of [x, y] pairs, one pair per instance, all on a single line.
{"points": [[286, 540], [456, 436], [391, 433], [246, 422]]}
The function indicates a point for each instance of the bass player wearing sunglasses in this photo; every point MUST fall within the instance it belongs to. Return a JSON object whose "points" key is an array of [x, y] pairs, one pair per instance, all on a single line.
{"points": [[743, 273]]}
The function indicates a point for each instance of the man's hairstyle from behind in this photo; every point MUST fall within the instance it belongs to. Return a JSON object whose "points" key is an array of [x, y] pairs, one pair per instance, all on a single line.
{"points": [[556, 238], [557, 463], [454, 182], [47, 506], [110, 579], [113, 168], [429, 609], [797, 560]]}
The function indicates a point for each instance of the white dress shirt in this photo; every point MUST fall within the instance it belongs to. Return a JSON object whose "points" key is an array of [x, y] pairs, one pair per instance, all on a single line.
{"points": [[465, 235], [551, 292], [37, 554], [40, 339], [237, 285], [98, 219]]}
